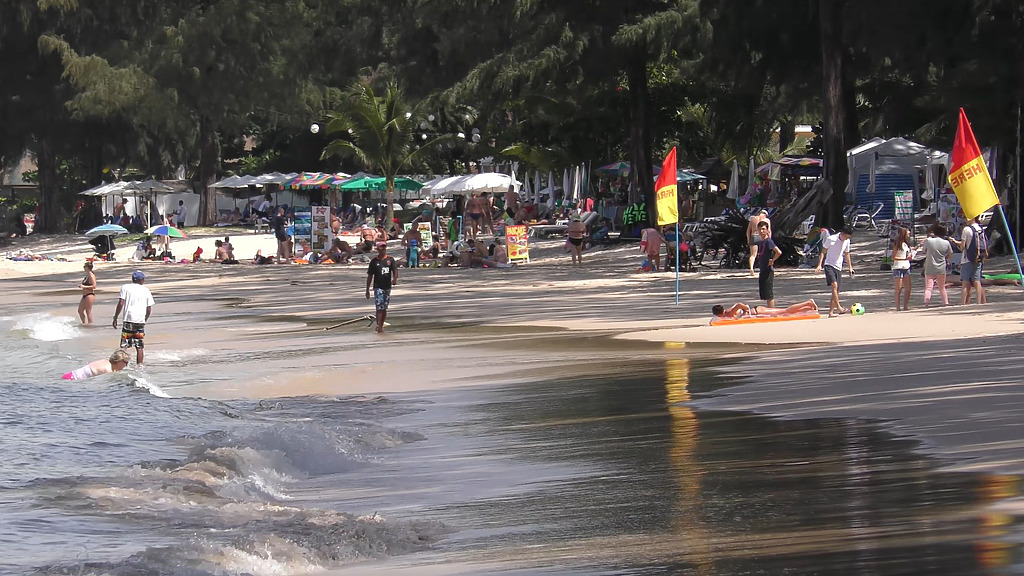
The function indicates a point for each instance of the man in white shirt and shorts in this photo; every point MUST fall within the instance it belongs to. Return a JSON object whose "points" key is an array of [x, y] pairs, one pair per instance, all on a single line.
{"points": [[137, 303], [834, 250]]}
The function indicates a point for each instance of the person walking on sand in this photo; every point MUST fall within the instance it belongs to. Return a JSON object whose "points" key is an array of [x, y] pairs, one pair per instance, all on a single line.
{"points": [[836, 247], [901, 256], [937, 251], [769, 252], [137, 303], [754, 234], [182, 213], [383, 273], [577, 230], [118, 361], [88, 288], [974, 245]]}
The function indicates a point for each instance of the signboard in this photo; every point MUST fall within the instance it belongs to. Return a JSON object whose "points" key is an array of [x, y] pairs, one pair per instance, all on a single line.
{"points": [[426, 233], [320, 228], [302, 225], [904, 205], [518, 244]]}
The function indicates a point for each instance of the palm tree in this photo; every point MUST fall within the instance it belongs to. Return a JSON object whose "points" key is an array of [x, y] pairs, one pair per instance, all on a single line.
{"points": [[379, 132]]}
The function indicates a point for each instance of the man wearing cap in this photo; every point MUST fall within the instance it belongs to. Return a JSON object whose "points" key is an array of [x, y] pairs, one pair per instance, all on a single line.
{"points": [[137, 302], [754, 234], [384, 274]]}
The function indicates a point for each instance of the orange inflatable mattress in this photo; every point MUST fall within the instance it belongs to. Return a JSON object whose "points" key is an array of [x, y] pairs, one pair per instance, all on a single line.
{"points": [[760, 319]]}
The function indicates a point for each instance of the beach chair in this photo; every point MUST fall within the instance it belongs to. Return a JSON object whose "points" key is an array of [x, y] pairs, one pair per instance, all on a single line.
{"points": [[863, 218]]}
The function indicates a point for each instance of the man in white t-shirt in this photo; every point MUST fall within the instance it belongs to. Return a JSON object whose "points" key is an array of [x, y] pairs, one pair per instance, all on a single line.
{"points": [[137, 303], [182, 212], [833, 251]]}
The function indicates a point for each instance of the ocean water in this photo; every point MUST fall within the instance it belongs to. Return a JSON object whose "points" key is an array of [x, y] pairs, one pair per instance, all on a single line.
{"points": [[604, 472]]}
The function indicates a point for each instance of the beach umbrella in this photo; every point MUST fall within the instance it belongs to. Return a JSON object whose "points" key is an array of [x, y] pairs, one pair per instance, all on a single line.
{"points": [[734, 181], [871, 175], [536, 187], [750, 178], [566, 187], [488, 183], [551, 190], [106, 230], [615, 169], [165, 230]]}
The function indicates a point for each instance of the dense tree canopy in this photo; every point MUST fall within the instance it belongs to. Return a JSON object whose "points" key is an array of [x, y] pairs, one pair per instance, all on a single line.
{"points": [[152, 86]]}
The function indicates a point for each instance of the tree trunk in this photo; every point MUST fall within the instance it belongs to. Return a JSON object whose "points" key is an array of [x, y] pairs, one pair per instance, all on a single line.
{"points": [[48, 218], [835, 122], [389, 182], [640, 130], [207, 173], [787, 134]]}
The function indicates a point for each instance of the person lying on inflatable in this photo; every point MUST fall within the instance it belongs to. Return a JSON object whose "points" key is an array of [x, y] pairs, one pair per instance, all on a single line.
{"points": [[118, 361], [740, 310]]}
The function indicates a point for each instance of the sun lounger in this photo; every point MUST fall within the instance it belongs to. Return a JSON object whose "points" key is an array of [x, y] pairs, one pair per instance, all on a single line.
{"points": [[545, 230]]}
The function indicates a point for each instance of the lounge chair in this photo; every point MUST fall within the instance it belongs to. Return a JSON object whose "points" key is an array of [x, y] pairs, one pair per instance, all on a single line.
{"points": [[863, 218]]}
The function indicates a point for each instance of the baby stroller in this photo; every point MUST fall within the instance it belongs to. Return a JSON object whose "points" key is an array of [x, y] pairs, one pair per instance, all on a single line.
{"points": [[103, 246]]}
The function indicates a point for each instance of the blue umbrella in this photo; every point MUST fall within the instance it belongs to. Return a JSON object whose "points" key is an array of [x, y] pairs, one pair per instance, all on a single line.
{"points": [[106, 230]]}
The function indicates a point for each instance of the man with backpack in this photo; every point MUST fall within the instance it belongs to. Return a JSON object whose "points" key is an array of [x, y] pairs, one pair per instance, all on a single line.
{"points": [[974, 245]]}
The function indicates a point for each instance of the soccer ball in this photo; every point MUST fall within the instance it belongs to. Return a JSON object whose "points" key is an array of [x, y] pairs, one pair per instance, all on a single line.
{"points": [[857, 309]]}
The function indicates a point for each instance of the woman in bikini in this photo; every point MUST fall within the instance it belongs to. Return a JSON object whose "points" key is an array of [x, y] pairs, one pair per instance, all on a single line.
{"points": [[88, 288], [739, 310]]}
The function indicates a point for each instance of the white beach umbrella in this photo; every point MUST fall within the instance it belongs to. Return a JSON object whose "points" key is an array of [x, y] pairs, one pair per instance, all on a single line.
{"points": [[734, 182], [488, 182], [536, 187], [871, 174], [551, 190]]}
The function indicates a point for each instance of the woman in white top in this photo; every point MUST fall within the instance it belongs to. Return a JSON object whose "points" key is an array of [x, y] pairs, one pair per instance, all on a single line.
{"points": [[901, 255], [937, 252]]}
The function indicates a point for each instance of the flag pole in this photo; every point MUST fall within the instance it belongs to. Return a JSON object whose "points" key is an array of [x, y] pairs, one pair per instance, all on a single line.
{"points": [[677, 262], [1013, 246]]}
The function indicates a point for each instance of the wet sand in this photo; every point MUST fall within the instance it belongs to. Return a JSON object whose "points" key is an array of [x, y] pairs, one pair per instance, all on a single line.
{"points": [[455, 327]]}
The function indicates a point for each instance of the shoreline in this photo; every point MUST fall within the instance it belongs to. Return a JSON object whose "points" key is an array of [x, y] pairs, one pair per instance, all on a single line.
{"points": [[454, 328]]}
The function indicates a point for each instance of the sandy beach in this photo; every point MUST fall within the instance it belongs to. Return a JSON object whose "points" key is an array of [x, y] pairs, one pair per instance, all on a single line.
{"points": [[933, 373]]}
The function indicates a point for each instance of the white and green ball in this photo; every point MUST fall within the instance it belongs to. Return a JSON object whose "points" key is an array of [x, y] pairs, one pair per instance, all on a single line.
{"points": [[857, 309]]}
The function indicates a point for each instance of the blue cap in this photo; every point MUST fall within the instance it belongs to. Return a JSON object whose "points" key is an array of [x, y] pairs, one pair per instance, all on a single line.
{"points": [[138, 275]]}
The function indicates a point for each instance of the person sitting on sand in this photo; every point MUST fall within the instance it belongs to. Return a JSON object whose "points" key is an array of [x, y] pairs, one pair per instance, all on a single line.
{"points": [[472, 257], [368, 236], [118, 361], [339, 253], [739, 310]]}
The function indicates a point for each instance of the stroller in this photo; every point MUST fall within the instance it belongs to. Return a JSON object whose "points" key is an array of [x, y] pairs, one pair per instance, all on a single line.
{"points": [[103, 246]]}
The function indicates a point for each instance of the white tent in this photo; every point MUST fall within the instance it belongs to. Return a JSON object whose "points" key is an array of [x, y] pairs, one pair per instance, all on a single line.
{"points": [[892, 156]]}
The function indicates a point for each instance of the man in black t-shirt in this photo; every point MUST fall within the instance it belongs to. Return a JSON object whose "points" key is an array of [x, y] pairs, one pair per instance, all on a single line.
{"points": [[280, 227], [767, 253], [384, 274]]}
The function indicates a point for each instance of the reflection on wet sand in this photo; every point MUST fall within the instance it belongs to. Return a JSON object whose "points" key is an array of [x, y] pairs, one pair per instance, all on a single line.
{"points": [[657, 487]]}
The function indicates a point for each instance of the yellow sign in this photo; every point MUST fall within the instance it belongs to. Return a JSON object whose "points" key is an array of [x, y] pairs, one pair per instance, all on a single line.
{"points": [[517, 243]]}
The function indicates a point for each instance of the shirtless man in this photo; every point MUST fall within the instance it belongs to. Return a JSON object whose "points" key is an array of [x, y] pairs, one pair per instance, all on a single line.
{"points": [[754, 236], [475, 208], [740, 309], [411, 241], [368, 236]]}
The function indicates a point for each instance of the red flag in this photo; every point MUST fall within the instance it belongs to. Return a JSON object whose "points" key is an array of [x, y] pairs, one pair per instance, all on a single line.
{"points": [[968, 174], [665, 191]]}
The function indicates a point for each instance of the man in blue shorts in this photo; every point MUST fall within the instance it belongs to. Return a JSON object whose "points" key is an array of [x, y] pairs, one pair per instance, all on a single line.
{"points": [[383, 273]]}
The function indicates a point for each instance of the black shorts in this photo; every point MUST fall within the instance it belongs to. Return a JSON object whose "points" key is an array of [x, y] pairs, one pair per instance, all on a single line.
{"points": [[576, 241], [766, 285], [832, 276]]}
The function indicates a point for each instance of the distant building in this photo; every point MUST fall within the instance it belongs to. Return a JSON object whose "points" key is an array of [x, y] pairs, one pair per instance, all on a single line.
{"points": [[12, 178]]}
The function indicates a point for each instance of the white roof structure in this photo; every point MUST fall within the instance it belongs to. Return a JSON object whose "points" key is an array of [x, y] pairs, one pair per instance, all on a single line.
{"points": [[895, 155]]}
